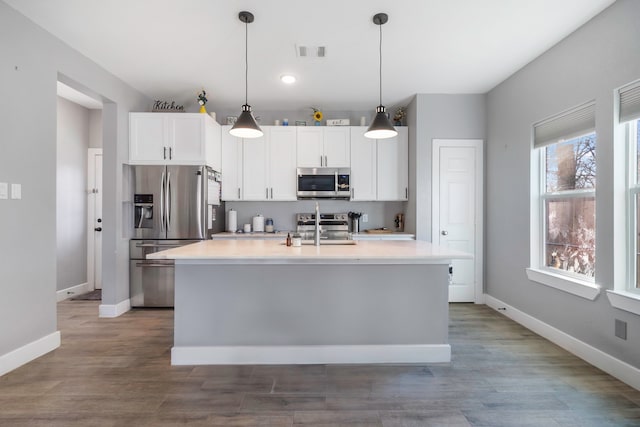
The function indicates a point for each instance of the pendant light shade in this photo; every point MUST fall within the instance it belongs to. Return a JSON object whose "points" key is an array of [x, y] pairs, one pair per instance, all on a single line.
{"points": [[381, 126], [246, 126]]}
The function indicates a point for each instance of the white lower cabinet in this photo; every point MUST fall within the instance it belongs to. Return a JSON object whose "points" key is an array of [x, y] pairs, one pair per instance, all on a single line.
{"points": [[259, 169], [379, 168]]}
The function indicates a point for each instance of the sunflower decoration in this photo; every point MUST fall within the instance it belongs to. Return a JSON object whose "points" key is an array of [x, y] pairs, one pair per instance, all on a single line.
{"points": [[202, 100], [317, 115]]}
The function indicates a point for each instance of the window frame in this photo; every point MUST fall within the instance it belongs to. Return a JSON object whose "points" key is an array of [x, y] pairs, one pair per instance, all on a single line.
{"points": [[625, 296], [570, 282]]}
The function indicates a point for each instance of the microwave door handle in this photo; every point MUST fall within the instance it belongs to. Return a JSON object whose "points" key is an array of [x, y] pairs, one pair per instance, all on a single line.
{"points": [[335, 186]]}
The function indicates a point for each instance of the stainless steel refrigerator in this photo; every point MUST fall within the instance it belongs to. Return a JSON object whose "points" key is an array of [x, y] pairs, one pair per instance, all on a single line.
{"points": [[172, 206]]}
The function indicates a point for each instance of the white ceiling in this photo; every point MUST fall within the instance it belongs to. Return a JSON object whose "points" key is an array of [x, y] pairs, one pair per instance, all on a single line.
{"points": [[170, 49]]}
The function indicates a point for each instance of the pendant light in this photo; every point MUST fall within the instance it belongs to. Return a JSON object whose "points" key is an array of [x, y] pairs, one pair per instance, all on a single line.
{"points": [[381, 127], [246, 126]]}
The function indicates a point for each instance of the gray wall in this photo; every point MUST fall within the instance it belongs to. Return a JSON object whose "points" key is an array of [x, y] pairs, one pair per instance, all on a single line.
{"points": [[71, 194], [381, 214], [589, 64], [31, 62], [433, 117]]}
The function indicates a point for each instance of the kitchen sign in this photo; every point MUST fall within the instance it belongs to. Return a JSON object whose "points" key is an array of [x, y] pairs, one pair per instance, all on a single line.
{"points": [[166, 107]]}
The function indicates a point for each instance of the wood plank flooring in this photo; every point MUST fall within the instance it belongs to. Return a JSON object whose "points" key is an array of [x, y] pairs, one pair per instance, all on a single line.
{"points": [[116, 372]]}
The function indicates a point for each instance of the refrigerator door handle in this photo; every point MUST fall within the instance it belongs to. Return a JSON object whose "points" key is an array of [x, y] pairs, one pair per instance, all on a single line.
{"points": [[168, 200], [162, 215], [199, 181]]}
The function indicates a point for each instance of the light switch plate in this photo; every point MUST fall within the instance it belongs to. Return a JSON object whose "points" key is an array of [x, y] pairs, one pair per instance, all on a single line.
{"points": [[4, 190], [16, 191]]}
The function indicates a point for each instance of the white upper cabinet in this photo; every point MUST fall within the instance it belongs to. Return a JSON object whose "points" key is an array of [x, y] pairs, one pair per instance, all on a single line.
{"points": [[174, 138], [254, 167], [282, 163], [364, 166], [231, 166], [337, 153], [323, 146], [265, 167], [393, 166]]}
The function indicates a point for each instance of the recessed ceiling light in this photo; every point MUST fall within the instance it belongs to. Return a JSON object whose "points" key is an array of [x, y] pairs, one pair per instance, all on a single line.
{"points": [[288, 79]]}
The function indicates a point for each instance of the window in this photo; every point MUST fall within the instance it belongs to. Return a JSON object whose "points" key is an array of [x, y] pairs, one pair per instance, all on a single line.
{"points": [[630, 120], [568, 206], [563, 227]]}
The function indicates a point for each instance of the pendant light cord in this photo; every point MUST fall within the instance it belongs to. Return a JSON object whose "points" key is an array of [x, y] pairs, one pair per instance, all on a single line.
{"points": [[380, 63], [246, 63]]}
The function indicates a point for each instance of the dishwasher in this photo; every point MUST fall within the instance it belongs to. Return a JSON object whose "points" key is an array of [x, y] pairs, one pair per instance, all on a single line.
{"points": [[152, 281]]}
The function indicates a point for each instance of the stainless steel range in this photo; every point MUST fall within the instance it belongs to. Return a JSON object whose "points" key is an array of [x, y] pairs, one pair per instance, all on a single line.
{"points": [[333, 226]]}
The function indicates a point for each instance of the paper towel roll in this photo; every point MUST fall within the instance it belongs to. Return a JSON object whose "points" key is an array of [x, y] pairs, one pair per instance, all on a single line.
{"points": [[232, 220], [258, 224]]}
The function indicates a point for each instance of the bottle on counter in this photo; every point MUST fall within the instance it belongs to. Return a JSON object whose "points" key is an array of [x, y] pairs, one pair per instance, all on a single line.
{"points": [[288, 239]]}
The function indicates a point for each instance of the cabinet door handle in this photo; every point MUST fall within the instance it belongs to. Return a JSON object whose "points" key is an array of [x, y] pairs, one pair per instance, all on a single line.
{"points": [[238, 193], [321, 161], [266, 190], [164, 153], [325, 161], [406, 192], [272, 192], [170, 153]]}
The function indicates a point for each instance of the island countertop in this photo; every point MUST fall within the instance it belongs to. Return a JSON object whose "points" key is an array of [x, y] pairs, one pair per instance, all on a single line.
{"points": [[275, 252]]}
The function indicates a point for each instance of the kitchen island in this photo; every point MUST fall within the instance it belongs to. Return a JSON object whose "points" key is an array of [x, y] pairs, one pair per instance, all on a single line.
{"points": [[261, 302]]}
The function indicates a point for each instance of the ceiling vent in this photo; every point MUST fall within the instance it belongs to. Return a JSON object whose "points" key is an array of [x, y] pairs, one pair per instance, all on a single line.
{"points": [[311, 51]]}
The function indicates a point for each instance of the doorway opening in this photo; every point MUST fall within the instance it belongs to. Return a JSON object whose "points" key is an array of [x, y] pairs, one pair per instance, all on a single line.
{"points": [[78, 193]]}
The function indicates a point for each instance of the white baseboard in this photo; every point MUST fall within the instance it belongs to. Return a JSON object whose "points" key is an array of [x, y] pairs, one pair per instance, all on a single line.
{"points": [[614, 367], [114, 310], [29, 352], [72, 291], [310, 354]]}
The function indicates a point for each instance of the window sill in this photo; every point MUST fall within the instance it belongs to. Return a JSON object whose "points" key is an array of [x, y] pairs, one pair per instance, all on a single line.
{"points": [[624, 300], [571, 285]]}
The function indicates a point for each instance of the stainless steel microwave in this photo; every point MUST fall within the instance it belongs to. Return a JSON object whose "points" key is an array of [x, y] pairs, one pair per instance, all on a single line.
{"points": [[323, 183]]}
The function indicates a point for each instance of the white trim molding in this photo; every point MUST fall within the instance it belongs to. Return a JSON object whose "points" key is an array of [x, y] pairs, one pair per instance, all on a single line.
{"points": [[623, 300], [564, 283], [601, 360], [114, 310], [25, 354], [310, 354], [72, 291]]}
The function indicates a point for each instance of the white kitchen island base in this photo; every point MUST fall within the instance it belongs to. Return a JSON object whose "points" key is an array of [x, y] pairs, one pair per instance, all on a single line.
{"points": [[311, 305]]}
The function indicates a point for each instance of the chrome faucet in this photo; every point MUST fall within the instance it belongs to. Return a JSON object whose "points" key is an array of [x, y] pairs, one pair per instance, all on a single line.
{"points": [[316, 234]]}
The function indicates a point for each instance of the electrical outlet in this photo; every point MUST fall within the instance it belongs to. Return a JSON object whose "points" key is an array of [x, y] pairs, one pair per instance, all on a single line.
{"points": [[365, 218], [621, 329], [16, 191], [4, 190]]}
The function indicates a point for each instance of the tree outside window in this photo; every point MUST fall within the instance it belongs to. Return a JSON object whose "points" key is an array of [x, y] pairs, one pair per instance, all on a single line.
{"points": [[569, 205]]}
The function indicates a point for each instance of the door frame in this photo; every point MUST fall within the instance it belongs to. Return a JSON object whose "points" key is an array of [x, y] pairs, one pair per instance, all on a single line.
{"points": [[91, 191], [478, 144]]}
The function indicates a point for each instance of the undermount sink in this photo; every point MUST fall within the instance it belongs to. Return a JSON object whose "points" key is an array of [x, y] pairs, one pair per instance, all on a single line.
{"points": [[331, 242]]}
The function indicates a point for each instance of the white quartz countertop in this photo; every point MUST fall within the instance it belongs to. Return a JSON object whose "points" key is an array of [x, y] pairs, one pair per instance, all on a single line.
{"points": [[275, 252], [253, 235]]}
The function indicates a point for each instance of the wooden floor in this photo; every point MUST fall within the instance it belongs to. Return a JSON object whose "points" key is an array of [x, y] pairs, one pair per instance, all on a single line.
{"points": [[116, 372]]}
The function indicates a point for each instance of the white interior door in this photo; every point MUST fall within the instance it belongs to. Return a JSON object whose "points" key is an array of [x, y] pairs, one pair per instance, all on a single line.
{"points": [[457, 212], [94, 221]]}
